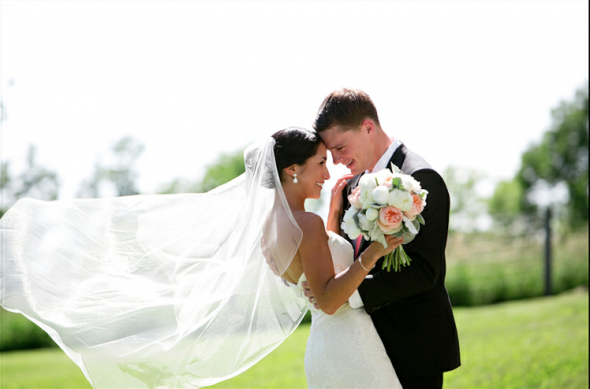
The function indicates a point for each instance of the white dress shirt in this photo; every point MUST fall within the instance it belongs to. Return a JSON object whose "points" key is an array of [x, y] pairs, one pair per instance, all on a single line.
{"points": [[355, 300]]}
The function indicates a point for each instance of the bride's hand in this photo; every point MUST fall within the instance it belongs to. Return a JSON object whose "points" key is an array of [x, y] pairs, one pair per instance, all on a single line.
{"points": [[336, 202], [309, 294], [376, 249]]}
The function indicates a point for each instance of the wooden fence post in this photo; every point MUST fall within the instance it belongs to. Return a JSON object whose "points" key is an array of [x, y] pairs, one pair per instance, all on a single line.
{"points": [[548, 252]]}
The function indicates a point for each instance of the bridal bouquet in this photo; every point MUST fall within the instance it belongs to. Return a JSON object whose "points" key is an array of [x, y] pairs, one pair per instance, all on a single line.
{"points": [[388, 202]]}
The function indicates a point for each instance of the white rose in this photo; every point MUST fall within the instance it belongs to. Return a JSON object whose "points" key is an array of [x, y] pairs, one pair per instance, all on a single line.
{"points": [[381, 195], [383, 175], [425, 192], [349, 215], [410, 184], [367, 182], [364, 222], [366, 198], [400, 199], [351, 230], [372, 214]]}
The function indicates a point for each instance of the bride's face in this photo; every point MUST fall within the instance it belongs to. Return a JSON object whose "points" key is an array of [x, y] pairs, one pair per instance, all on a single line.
{"points": [[313, 174]]}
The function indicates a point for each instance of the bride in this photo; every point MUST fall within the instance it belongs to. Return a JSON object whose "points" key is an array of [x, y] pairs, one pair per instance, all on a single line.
{"points": [[343, 349], [176, 291]]}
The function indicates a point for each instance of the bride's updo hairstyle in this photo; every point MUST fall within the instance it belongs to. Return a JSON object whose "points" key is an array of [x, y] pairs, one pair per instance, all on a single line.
{"points": [[294, 145]]}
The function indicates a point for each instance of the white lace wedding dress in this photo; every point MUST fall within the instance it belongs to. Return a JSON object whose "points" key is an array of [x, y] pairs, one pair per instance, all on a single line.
{"points": [[344, 349]]}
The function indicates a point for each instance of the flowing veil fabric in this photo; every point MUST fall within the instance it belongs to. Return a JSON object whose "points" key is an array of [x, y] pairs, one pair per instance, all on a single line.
{"points": [[158, 291]]}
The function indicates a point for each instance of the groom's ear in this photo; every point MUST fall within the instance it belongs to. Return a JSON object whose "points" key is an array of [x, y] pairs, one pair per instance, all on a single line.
{"points": [[368, 126]]}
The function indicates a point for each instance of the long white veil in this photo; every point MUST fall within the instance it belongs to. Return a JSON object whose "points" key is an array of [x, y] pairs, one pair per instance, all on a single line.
{"points": [[158, 291]]}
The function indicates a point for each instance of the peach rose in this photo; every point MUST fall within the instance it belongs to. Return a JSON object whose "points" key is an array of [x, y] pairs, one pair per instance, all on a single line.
{"points": [[354, 198], [417, 207], [387, 181], [390, 220]]}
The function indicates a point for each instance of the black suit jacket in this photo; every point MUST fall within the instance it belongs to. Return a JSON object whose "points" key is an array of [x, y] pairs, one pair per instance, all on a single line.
{"points": [[411, 309]]}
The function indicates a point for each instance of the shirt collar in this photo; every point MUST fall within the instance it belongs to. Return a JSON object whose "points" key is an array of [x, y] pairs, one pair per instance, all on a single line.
{"points": [[386, 157]]}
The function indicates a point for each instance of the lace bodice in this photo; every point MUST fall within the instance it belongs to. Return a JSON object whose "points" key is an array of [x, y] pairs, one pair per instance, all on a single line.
{"points": [[344, 349]]}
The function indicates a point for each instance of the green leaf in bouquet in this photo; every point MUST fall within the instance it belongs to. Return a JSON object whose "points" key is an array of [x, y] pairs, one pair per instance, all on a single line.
{"points": [[409, 226], [377, 181], [395, 169], [397, 183], [398, 234], [408, 237], [377, 235], [416, 224], [356, 220], [420, 219], [364, 222]]}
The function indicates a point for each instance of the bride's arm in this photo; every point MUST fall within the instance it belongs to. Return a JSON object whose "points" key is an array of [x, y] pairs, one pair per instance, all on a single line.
{"points": [[331, 290]]}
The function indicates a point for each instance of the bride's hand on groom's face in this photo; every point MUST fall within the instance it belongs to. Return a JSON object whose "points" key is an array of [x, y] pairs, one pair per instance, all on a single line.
{"points": [[308, 293], [336, 202]]}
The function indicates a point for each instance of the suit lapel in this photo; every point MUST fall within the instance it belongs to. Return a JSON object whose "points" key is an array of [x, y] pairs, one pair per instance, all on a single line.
{"points": [[399, 156]]}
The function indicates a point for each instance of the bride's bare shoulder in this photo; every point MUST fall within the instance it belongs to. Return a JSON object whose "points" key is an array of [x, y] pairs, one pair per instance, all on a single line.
{"points": [[311, 224]]}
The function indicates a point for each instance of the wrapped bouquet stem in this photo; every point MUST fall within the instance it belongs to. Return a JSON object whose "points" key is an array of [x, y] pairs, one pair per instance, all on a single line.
{"points": [[387, 202]]}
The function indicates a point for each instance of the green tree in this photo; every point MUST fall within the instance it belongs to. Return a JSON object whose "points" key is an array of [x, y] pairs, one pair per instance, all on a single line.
{"points": [[224, 169], [35, 182], [467, 205], [505, 206], [121, 174], [561, 158]]}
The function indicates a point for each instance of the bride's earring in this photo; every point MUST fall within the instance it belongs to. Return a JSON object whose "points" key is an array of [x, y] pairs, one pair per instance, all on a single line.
{"points": [[295, 180]]}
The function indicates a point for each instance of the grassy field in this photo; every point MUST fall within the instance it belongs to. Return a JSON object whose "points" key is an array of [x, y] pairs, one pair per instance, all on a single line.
{"points": [[487, 268], [537, 343]]}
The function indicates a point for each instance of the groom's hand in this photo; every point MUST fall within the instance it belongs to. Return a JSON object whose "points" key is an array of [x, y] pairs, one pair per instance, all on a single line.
{"points": [[268, 256], [309, 294]]}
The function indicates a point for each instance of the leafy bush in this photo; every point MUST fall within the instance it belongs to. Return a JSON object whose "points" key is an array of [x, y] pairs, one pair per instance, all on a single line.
{"points": [[19, 333]]}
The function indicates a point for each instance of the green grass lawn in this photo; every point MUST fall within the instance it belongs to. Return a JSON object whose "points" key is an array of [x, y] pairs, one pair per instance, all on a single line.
{"points": [[537, 343]]}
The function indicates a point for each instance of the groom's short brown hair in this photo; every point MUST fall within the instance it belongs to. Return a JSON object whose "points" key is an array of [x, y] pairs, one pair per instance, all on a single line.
{"points": [[346, 108]]}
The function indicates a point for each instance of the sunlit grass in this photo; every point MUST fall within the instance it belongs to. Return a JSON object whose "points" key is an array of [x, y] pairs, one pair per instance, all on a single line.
{"points": [[537, 343]]}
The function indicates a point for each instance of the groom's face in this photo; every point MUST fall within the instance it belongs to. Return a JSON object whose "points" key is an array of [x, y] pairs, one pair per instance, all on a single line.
{"points": [[349, 147]]}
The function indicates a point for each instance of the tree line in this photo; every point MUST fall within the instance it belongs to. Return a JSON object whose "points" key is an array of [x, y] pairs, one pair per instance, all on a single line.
{"points": [[559, 160]]}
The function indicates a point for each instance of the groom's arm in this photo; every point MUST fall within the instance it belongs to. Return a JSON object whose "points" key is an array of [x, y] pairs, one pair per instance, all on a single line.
{"points": [[427, 251]]}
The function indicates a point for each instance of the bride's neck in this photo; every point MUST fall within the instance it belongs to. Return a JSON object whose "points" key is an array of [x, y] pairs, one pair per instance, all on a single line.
{"points": [[296, 200]]}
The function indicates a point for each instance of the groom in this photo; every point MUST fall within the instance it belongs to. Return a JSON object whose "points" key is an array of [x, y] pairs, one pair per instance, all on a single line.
{"points": [[410, 309]]}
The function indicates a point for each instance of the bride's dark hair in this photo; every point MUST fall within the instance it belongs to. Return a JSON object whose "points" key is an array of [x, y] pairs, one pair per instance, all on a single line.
{"points": [[294, 145]]}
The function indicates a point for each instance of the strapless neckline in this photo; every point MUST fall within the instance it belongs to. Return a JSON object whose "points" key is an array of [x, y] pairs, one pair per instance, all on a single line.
{"points": [[342, 257]]}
